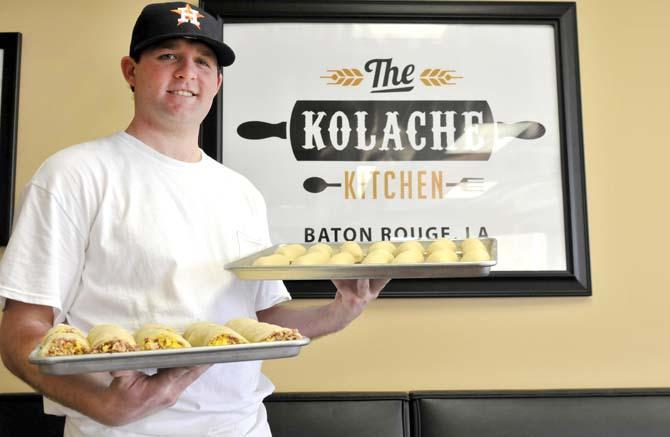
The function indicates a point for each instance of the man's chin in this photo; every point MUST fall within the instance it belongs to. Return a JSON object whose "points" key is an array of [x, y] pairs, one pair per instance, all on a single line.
{"points": [[184, 118]]}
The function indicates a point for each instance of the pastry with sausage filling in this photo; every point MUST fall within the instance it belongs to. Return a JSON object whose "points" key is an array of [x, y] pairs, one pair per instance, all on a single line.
{"points": [[110, 339], [258, 332], [60, 341]]}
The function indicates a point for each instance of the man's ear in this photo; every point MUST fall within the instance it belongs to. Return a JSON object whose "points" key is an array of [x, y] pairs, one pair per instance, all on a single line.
{"points": [[219, 80], [128, 70]]}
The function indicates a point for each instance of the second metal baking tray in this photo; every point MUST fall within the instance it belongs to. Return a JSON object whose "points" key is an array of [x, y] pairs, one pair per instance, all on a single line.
{"points": [[186, 357], [244, 269]]}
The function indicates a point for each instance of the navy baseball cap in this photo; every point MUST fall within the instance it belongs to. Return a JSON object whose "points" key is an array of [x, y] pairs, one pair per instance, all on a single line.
{"points": [[160, 21]]}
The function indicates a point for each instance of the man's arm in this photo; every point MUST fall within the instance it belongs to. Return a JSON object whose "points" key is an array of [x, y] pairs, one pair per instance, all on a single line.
{"points": [[352, 296], [129, 397]]}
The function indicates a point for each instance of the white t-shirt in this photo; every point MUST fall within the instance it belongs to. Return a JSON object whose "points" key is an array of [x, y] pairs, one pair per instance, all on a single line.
{"points": [[112, 231]]}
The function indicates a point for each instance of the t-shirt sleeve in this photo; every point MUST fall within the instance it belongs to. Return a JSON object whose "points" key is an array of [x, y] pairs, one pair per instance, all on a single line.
{"points": [[270, 293], [43, 260]]}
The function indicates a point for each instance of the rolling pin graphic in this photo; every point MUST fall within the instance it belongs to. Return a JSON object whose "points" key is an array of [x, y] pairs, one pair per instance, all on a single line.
{"points": [[403, 130]]}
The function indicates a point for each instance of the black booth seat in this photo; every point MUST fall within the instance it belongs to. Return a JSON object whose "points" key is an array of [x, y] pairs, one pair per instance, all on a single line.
{"points": [[542, 413], [339, 414], [22, 414], [536, 413], [289, 415]]}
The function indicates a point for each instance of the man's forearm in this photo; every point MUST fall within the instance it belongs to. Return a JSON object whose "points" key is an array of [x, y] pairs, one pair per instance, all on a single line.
{"points": [[129, 396], [312, 322], [352, 296], [79, 392]]}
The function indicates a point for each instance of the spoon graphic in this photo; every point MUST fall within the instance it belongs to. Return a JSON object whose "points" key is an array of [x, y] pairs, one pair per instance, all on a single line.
{"points": [[316, 184]]}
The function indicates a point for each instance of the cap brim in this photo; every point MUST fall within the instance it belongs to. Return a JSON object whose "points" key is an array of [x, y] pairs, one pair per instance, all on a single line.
{"points": [[224, 54]]}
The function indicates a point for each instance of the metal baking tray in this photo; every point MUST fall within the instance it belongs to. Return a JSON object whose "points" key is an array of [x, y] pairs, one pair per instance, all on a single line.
{"points": [[192, 356], [243, 268]]}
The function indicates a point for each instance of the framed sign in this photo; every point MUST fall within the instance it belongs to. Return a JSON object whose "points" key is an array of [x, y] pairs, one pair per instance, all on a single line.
{"points": [[10, 55], [406, 120]]}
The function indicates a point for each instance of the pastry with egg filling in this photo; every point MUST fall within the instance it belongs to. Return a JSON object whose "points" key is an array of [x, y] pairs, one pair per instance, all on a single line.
{"points": [[212, 334], [193, 326], [154, 337]]}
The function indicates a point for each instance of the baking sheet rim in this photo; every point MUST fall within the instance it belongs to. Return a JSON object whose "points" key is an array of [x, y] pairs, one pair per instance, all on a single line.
{"points": [[35, 358], [322, 271]]}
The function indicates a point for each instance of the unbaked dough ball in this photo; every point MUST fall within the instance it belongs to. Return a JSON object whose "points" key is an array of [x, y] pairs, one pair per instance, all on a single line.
{"points": [[472, 244], [411, 245], [442, 256], [312, 258], [475, 256], [408, 257], [342, 258], [271, 260], [378, 256], [321, 247], [291, 251], [353, 248], [384, 245], [442, 243]]}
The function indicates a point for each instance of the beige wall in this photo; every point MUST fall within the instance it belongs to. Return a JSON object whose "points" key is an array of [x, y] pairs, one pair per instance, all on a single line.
{"points": [[72, 90]]}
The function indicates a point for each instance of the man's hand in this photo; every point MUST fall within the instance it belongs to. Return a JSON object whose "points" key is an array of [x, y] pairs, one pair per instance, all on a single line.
{"points": [[353, 295], [133, 395], [129, 396]]}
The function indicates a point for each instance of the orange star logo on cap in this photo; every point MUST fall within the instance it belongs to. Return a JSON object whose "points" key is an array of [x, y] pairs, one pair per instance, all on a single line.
{"points": [[188, 15]]}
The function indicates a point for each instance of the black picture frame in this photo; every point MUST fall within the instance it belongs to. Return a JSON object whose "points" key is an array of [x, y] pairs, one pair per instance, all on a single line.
{"points": [[10, 44], [576, 279]]}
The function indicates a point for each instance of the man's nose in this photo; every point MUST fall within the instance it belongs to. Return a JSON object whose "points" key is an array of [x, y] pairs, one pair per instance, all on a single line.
{"points": [[186, 70]]}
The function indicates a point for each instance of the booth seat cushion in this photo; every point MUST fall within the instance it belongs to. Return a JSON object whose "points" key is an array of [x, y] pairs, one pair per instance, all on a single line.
{"points": [[561, 413], [339, 414], [22, 414]]}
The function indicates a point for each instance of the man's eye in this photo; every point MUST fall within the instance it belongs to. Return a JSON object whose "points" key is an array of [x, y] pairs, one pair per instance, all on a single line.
{"points": [[167, 56]]}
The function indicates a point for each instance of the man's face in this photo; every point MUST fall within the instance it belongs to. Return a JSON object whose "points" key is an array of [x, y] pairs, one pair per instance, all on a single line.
{"points": [[174, 82]]}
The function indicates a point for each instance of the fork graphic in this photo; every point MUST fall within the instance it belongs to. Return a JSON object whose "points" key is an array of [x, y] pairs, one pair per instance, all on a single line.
{"points": [[469, 184]]}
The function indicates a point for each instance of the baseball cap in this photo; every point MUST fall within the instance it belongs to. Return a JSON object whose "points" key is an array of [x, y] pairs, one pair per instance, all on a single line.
{"points": [[159, 21]]}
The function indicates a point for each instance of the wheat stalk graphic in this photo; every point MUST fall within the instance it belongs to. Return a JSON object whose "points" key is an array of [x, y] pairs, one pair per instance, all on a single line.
{"points": [[345, 77], [438, 77]]}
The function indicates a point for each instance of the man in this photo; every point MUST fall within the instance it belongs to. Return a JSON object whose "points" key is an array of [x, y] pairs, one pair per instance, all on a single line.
{"points": [[134, 228]]}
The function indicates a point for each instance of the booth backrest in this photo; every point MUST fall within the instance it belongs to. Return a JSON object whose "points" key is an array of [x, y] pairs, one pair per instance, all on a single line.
{"points": [[537, 413], [339, 414], [562, 413]]}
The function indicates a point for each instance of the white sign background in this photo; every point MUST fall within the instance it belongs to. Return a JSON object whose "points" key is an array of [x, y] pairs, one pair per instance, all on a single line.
{"points": [[511, 67]]}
